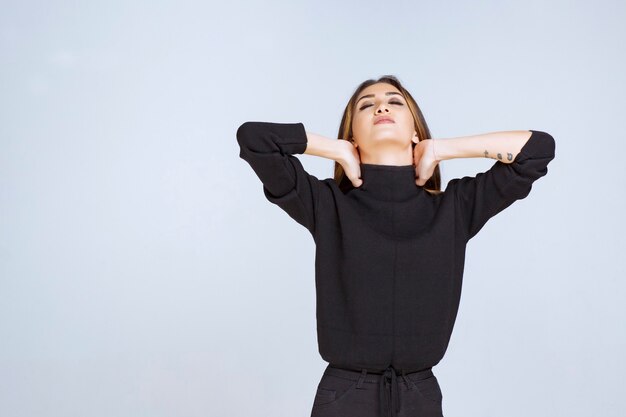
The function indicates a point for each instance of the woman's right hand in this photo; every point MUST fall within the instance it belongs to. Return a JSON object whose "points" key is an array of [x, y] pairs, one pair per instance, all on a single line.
{"points": [[350, 161], [339, 150]]}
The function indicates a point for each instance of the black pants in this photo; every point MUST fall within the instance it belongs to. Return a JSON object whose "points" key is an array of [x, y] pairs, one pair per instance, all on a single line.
{"points": [[351, 393]]}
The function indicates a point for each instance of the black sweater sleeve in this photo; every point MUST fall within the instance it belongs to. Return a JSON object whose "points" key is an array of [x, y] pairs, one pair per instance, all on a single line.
{"points": [[269, 148], [481, 197]]}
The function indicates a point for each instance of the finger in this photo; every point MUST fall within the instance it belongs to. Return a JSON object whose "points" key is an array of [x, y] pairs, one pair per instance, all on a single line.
{"points": [[431, 172], [355, 180]]}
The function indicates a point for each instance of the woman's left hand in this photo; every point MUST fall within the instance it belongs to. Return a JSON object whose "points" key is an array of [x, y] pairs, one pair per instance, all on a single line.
{"points": [[424, 161]]}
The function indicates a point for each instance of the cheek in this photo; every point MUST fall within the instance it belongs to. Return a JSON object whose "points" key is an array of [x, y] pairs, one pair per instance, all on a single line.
{"points": [[406, 121], [359, 124], [405, 128]]}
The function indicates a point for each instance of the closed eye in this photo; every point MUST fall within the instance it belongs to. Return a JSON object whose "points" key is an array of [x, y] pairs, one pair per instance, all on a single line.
{"points": [[391, 102]]}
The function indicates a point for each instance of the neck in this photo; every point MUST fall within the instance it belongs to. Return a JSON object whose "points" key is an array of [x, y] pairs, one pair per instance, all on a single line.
{"points": [[389, 182]]}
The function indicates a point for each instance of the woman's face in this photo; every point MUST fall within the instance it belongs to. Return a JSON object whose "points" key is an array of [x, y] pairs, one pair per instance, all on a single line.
{"points": [[386, 141]]}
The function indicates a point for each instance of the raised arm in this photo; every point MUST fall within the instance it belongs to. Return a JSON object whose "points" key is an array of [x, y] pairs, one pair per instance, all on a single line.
{"points": [[269, 149], [502, 146], [522, 157]]}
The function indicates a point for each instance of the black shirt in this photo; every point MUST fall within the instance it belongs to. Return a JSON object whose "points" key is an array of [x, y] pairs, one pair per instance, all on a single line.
{"points": [[389, 255]]}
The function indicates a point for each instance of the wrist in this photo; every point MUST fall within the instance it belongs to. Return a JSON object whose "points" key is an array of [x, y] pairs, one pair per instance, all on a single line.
{"points": [[343, 150], [322, 146], [442, 149]]}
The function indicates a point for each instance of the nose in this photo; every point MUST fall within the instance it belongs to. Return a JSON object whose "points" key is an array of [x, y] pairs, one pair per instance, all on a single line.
{"points": [[379, 110]]}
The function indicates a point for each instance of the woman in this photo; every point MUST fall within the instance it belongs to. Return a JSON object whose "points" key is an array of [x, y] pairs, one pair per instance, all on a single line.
{"points": [[390, 245]]}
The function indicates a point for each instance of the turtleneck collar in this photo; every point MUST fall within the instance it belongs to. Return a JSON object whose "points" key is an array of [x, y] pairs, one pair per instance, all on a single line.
{"points": [[389, 182]]}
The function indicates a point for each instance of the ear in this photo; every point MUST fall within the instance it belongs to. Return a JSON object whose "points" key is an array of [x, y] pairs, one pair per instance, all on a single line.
{"points": [[353, 143], [416, 138]]}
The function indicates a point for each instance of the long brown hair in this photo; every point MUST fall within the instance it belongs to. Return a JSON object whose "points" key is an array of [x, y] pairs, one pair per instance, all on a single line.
{"points": [[433, 185]]}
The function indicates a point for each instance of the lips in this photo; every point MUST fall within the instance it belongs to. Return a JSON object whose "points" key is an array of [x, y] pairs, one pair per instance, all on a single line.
{"points": [[384, 120]]}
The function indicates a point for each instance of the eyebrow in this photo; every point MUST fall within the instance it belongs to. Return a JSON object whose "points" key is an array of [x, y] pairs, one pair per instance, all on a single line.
{"points": [[388, 93]]}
